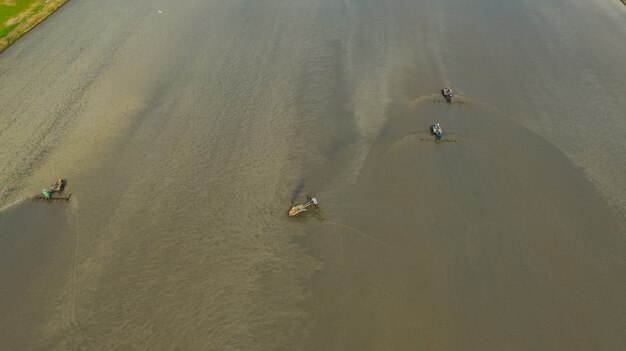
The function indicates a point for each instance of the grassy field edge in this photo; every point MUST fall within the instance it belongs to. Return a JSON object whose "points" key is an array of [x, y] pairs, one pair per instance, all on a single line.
{"points": [[30, 23]]}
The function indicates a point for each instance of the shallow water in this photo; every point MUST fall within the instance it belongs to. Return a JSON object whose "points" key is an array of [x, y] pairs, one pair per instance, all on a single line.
{"points": [[186, 134]]}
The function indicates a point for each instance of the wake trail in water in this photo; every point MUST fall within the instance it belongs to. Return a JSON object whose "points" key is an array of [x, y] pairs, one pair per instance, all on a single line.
{"points": [[73, 322], [13, 205], [354, 230]]}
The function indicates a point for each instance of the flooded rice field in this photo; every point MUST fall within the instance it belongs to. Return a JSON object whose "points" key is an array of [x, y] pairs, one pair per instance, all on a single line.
{"points": [[186, 132]]}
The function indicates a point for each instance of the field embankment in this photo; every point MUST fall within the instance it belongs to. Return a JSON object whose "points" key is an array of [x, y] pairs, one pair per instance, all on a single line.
{"points": [[19, 16]]}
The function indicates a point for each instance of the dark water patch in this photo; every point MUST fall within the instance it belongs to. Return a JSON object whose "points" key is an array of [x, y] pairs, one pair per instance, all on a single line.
{"points": [[297, 191]]}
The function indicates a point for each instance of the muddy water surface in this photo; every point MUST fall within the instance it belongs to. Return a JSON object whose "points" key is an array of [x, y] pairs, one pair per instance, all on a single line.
{"points": [[187, 133]]}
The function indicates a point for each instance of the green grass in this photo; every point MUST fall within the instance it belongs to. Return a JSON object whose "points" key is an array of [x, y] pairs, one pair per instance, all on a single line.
{"points": [[19, 16], [19, 7]]}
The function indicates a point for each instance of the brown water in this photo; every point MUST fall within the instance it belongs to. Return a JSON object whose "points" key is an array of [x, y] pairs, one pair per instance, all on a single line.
{"points": [[186, 134]]}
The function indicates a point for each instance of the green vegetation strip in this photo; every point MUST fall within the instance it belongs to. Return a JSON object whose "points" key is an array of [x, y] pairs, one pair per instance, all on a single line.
{"points": [[19, 16]]}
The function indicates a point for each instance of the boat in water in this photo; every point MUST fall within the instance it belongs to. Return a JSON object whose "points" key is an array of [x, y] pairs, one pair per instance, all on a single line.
{"points": [[296, 209], [447, 93], [437, 131]]}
